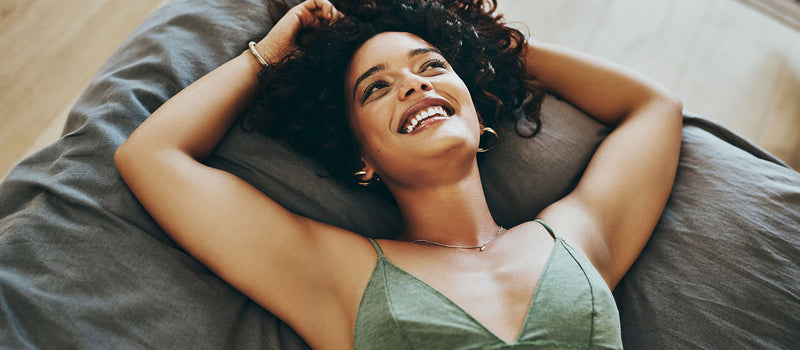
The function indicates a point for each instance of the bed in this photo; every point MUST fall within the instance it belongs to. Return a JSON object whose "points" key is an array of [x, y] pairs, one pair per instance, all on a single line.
{"points": [[82, 265]]}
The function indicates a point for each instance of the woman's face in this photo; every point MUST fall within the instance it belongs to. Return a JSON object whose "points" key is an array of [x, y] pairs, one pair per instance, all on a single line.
{"points": [[412, 114]]}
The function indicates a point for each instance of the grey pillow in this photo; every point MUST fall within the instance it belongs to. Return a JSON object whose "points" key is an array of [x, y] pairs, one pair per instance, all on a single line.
{"points": [[722, 269], [82, 265]]}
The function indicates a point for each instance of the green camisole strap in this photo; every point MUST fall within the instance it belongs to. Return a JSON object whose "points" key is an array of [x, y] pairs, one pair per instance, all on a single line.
{"points": [[547, 227], [377, 247]]}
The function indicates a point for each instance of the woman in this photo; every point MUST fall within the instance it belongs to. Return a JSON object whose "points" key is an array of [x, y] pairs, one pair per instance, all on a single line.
{"points": [[453, 278]]}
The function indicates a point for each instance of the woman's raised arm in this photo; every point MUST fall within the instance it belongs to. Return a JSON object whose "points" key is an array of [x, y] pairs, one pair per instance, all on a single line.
{"points": [[621, 195], [281, 260]]}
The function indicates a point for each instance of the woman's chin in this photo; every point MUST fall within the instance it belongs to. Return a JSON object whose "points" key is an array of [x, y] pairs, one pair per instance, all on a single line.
{"points": [[446, 145], [445, 131]]}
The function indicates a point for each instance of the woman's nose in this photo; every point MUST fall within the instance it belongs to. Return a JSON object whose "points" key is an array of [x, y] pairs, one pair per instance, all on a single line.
{"points": [[414, 83]]}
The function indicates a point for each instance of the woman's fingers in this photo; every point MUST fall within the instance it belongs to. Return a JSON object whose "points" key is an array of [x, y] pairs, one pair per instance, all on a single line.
{"points": [[314, 13], [329, 11], [281, 39], [323, 9]]}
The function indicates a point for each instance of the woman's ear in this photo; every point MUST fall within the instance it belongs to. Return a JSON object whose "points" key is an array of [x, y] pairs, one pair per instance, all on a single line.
{"points": [[367, 173]]}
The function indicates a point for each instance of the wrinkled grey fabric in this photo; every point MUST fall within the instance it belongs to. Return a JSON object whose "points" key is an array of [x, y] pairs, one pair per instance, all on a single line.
{"points": [[722, 269], [82, 265]]}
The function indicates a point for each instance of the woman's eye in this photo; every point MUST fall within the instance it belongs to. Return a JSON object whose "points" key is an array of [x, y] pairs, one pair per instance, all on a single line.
{"points": [[433, 64], [372, 88]]}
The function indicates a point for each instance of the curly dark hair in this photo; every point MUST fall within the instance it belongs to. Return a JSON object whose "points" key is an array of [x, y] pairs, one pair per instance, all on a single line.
{"points": [[302, 98]]}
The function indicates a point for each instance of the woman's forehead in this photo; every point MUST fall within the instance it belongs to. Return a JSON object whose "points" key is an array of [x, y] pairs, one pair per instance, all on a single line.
{"points": [[392, 39], [381, 48]]}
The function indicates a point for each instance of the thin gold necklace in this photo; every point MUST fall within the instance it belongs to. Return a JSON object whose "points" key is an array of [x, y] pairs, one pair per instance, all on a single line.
{"points": [[480, 247]]}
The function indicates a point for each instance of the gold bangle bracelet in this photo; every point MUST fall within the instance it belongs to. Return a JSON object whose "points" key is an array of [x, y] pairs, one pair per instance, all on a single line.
{"points": [[257, 55]]}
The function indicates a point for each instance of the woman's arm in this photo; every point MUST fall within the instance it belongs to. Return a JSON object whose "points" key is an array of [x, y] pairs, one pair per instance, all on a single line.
{"points": [[620, 197], [283, 261]]}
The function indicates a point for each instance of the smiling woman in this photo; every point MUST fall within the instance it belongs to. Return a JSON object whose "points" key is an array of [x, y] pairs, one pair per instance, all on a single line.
{"points": [[390, 117], [311, 112], [404, 93]]}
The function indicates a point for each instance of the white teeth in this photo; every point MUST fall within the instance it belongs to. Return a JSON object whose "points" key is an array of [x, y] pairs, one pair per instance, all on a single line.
{"points": [[431, 111]]}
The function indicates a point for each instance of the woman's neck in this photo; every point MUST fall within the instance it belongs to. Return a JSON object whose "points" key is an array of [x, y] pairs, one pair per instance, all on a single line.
{"points": [[455, 213]]}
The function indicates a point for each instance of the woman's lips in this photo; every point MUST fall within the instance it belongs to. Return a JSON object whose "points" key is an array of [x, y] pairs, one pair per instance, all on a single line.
{"points": [[422, 110], [424, 124], [422, 117]]}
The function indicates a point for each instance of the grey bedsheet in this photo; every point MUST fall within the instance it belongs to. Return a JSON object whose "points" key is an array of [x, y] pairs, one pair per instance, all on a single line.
{"points": [[82, 265]]}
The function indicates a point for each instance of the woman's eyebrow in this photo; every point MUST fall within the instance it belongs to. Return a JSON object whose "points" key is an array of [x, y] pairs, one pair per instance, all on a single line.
{"points": [[422, 50], [366, 75]]}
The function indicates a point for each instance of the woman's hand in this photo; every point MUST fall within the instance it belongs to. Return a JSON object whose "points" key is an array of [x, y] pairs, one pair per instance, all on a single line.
{"points": [[281, 40]]}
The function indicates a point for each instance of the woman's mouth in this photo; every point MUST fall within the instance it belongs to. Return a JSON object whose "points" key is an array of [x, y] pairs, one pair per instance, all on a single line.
{"points": [[417, 120], [424, 112]]}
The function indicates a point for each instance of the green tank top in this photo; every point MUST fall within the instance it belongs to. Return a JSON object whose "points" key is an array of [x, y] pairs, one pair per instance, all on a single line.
{"points": [[572, 308]]}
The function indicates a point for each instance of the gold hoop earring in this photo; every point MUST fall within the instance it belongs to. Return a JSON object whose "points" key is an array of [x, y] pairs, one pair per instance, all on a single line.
{"points": [[484, 130], [369, 183]]}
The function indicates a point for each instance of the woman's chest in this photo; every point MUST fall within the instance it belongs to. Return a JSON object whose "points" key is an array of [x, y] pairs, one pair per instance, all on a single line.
{"points": [[494, 290], [400, 308]]}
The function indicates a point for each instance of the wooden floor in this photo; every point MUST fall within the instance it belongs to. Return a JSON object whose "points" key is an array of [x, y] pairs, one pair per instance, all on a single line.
{"points": [[722, 58], [49, 51]]}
